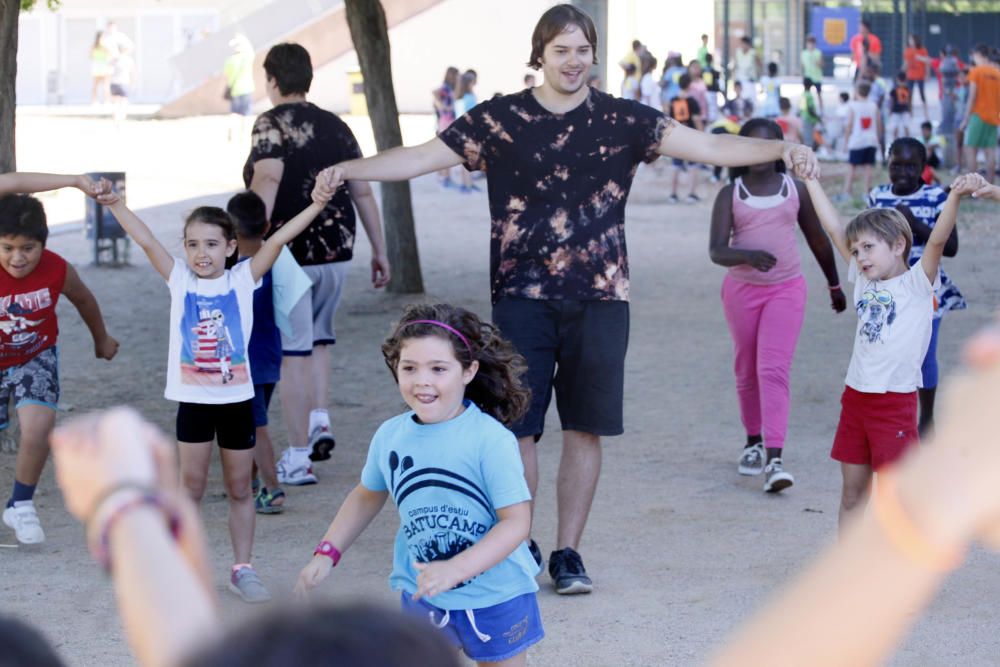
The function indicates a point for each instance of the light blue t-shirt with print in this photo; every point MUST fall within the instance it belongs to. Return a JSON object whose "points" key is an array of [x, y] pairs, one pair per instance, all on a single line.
{"points": [[448, 480]]}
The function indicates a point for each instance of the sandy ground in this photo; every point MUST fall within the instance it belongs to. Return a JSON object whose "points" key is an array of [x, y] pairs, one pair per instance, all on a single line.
{"points": [[681, 548]]}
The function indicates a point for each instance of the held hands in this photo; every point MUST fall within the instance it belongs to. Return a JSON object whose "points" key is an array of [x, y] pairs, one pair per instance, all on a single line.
{"points": [[106, 348], [800, 160], [325, 187], [90, 187], [838, 300], [982, 189], [966, 184], [435, 577], [106, 196], [761, 260], [312, 575]]}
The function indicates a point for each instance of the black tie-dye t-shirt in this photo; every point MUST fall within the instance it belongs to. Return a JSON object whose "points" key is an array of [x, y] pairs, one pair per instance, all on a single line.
{"points": [[307, 139], [557, 189]]}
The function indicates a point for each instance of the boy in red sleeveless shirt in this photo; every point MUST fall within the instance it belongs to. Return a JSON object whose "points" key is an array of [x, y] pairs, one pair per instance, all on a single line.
{"points": [[31, 280]]}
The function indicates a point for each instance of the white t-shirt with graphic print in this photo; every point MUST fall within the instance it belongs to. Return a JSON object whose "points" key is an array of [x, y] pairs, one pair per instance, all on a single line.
{"points": [[210, 324], [894, 330]]}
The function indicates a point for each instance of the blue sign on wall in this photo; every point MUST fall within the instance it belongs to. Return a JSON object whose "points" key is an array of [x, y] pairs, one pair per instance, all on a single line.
{"points": [[833, 28]]}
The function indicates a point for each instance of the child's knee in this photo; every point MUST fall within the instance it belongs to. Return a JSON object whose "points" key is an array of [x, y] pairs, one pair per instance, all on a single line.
{"points": [[853, 495], [195, 484], [238, 490]]}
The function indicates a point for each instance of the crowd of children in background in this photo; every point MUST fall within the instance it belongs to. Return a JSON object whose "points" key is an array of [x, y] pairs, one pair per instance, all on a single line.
{"points": [[877, 108]]}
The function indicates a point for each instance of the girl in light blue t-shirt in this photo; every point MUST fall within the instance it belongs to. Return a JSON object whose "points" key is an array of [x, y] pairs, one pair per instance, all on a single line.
{"points": [[454, 472]]}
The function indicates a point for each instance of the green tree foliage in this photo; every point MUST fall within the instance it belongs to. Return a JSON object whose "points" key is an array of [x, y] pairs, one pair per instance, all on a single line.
{"points": [[28, 5]]}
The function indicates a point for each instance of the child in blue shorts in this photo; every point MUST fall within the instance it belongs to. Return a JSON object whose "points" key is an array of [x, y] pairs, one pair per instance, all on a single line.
{"points": [[250, 219], [31, 282], [455, 475]]}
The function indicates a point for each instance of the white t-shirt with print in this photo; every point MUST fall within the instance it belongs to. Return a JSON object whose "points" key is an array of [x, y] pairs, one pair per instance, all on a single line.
{"points": [[864, 131], [210, 324], [894, 330]]}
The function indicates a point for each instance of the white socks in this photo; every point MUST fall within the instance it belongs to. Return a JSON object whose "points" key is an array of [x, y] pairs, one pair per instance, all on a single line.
{"points": [[318, 418]]}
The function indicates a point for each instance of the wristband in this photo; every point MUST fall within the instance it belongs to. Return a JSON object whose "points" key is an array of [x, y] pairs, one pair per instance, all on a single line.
{"points": [[100, 548], [833, 288], [906, 536], [324, 548]]}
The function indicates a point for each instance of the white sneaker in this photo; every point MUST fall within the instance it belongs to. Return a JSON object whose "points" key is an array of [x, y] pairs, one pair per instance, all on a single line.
{"points": [[776, 477], [321, 443], [24, 520], [294, 473], [752, 460]]}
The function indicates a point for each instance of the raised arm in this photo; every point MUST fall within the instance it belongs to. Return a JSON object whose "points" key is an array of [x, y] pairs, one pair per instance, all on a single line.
{"points": [[828, 217], [934, 248], [28, 182], [360, 507], [500, 541], [105, 347], [820, 246], [399, 164], [922, 232], [140, 233], [728, 150]]}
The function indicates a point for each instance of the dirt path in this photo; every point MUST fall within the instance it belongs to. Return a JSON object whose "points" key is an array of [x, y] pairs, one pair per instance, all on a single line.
{"points": [[680, 547]]}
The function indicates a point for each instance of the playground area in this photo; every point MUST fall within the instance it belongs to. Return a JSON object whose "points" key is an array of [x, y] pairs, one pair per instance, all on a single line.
{"points": [[680, 547]]}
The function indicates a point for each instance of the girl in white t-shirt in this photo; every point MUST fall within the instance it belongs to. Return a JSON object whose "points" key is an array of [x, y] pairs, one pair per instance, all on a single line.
{"points": [[208, 372]]}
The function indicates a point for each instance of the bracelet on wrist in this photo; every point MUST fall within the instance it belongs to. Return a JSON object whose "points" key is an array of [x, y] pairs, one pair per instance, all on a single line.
{"points": [[905, 535], [833, 288], [327, 549], [113, 507]]}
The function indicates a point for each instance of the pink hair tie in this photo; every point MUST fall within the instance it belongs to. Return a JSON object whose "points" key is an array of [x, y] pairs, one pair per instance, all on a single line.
{"points": [[448, 327]]}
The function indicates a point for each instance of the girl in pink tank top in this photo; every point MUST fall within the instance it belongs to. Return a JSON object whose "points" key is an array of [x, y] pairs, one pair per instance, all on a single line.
{"points": [[764, 295]]}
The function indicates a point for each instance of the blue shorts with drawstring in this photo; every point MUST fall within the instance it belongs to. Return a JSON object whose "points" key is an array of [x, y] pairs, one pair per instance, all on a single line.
{"points": [[490, 634]]}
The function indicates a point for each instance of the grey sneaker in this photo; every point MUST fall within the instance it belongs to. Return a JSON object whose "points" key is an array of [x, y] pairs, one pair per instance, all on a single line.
{"points": [[752, 460], [294, 473], [321, 443], [776, 477], [247, 584]]}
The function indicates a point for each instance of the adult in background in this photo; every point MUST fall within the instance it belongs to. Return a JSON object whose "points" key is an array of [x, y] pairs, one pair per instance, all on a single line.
{"points": [[747, 67], [980, 123], [812, 69], [859, 53], [238, 71], [290, 144], [560, 160], [915, 61]]}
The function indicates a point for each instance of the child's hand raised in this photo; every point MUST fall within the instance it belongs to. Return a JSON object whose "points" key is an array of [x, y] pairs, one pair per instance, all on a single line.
{"points": [[92, 188], [325, 187], [108, 197], [966, 184], [801, 160]]}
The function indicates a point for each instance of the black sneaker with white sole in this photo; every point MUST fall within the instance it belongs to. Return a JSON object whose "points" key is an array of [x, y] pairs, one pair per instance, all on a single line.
{"points": [[568, 574], [321, 443]]}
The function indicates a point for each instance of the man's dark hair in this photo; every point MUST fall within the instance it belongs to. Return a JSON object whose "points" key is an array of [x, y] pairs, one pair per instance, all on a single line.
{"points": [[23, 646], [248, 213], [23, 215], [359, 635], [290, 67], [553, 23]]}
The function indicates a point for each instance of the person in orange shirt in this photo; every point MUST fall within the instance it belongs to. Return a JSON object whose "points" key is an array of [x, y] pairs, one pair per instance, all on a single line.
{"points": [[857, 47], [980, 124], [916, 58]]}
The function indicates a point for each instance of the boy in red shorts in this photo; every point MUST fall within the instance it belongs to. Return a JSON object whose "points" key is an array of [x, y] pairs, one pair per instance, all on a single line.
{"points": [[895, 305], [31, 282]]}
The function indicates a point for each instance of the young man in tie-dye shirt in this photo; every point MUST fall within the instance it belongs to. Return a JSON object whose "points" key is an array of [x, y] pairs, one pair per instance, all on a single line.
{"points": [[559, 161]]}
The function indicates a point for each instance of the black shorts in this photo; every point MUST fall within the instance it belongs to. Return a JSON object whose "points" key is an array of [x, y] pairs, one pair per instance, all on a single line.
{"points": [[261, 402], [230, 424], [818, 85], [862, 156], [578, 349]]}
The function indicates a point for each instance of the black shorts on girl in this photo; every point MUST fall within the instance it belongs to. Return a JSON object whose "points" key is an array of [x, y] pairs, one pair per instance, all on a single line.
{"points": [[490, 634], [230, 424], [576, 348]]}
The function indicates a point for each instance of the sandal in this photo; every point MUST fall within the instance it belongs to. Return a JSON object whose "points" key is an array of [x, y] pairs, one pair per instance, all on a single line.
{"points": [[263, 501]]}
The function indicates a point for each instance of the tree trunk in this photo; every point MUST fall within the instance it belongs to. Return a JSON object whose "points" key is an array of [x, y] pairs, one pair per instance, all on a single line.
{"points": [[366, 21], [8, 74]]}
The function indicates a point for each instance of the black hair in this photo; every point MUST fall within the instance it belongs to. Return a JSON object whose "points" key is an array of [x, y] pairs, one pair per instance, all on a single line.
{"points": [[709, 59], [866, 24], [359, 635], [213, 215], [909, 144], [290, 67], [927, 124], [784, 103], [845, 96], [23, 215], [864, 88], [746, 40], [751, 127], [248, 213], [982, 49], [684, 81], [772, 69], [24, 646], [497, 387], [901, 76]]}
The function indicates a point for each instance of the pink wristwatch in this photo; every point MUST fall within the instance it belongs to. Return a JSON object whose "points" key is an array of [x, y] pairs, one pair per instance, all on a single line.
{"points": [[324, 548]]}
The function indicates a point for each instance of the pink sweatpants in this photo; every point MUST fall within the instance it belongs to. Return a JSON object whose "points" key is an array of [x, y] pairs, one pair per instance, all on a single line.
{"points": [[765, 321]]}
